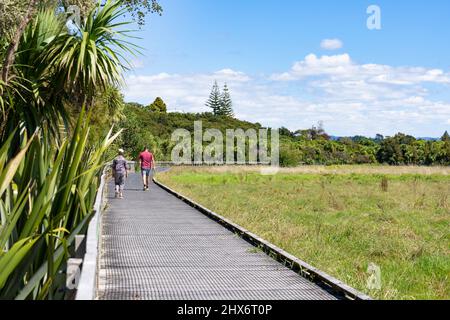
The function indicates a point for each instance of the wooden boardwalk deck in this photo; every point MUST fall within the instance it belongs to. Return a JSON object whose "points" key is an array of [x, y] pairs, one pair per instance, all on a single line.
{"points": [[154, 246]]}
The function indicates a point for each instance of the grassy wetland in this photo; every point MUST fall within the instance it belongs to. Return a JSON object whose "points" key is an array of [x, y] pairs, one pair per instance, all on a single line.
{"points": [[342, 218]]}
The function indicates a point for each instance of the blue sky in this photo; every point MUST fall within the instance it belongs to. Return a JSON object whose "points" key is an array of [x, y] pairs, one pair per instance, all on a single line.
{"points": [[269, 53]]}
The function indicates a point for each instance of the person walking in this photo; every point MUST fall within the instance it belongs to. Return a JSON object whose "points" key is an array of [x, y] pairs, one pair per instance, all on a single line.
{"points": [[120, 172], [147, 161]]}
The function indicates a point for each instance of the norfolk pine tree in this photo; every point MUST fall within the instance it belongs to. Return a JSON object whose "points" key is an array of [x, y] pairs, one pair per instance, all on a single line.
{"points": [[226, 108], [215, 100]]}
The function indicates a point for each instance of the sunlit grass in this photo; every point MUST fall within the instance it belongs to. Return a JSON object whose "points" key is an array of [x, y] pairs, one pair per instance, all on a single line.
{"points": [[342, 222]]}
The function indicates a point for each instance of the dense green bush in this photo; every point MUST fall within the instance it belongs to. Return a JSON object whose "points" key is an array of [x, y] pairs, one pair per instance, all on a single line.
{"points": [[406, 150], [304, 147], [144, 127], [290, 156]]}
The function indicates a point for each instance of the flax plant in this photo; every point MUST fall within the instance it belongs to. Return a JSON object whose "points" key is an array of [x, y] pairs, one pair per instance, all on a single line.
{"points": [[46, 198]]}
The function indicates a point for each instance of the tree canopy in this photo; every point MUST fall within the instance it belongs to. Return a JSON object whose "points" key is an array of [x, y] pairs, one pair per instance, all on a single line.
{"points": [[310, 146], [220, 102], [13, 11], [226, 105], [215, 100], [158, 106], [57, 72]]}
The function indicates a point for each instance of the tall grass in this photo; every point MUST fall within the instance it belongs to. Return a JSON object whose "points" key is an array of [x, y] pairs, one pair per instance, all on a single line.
{"points": [[341, 221], [47, 192]]}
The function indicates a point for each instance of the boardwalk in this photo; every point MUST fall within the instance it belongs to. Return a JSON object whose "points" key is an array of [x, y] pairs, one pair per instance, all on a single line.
{"points": [[154, 246]]}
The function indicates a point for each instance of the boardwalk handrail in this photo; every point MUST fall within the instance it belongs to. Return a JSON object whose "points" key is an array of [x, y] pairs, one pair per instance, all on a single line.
{"points": [[203, 164], [162, 164], [302, 268], [88, 280]]}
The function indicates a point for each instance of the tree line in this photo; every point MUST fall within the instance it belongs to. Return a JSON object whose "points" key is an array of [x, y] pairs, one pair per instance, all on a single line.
{"points": [[315, 146], [147, 126]]}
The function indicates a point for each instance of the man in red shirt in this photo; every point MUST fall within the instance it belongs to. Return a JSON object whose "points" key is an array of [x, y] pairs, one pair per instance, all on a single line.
{"points": [[147, 162]]}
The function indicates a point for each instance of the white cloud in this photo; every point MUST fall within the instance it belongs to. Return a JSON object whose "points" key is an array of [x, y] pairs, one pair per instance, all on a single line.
{"points": [[343, 67], [231, 75], [331, 44], [350, 98], [181, 91]]}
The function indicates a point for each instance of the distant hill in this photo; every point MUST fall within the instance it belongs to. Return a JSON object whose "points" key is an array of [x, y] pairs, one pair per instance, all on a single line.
{"points": [[144, 127], [428, 139], [164, 124], [337, 138]]}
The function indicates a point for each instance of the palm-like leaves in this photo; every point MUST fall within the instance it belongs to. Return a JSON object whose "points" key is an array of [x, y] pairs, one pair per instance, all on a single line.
{"points": [[91, 57], [57, 69], [46, 198], [37, 100], [48, 185]]}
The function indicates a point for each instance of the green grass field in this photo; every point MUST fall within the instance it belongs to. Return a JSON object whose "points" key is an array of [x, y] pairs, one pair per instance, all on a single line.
{"points": [[341, 219]]}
